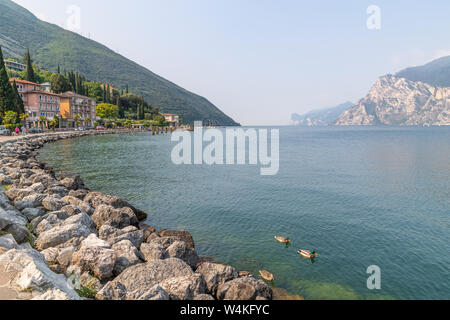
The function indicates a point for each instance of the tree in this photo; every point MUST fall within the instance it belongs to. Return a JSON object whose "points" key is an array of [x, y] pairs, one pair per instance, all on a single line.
{"points": [[10, 120], [54, 123], [160, 120], [60, 84], [7, 102], [23, 118], [77, 119], [107, 111], [30, 72], [17, 100]]}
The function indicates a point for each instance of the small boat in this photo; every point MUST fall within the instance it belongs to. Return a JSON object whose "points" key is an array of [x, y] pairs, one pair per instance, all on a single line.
{"points": [[266, 275], [282, 239], [307, 254]]}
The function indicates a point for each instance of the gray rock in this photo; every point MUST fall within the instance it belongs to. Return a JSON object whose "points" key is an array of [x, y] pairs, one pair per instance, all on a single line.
{"points": [[60, 235], [117, 218], [181, 234], [98, 260], [33, 213], [114, 235], [152, 251], [156, 293], [35, 199], [79, 194], [137, 280], [216, 274], [51, 255], [30, 272], [52, 203], [79, 203], [246, 288], [203, 297], [180, 250], [126, 255], [23, 205], [185, 287], [93, 241], [65, 256], [7, 242]]}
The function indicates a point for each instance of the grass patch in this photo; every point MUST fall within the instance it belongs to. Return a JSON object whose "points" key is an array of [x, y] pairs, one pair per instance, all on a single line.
{"points": [[86, 293], [3, 233], [30, 238], [6, 187]]}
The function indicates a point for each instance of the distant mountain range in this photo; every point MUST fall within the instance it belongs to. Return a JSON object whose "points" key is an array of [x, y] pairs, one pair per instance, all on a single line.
{"points": [[415, 96], [322, 117], [435, 73], [401, 102], [51, 46]]}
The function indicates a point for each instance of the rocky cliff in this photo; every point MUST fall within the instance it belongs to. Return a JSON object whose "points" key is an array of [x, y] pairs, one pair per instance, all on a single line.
{"points": [[398, 101]]}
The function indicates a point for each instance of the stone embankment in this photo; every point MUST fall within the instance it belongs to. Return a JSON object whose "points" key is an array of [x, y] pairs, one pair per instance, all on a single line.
{"points": [[61, 241]]}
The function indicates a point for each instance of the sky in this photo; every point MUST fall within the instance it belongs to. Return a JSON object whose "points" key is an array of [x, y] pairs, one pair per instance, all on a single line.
{"points": [[262, 60]]}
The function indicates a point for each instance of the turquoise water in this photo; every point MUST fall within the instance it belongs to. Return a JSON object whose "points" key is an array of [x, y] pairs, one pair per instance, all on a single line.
{"points": [[360, 196]]}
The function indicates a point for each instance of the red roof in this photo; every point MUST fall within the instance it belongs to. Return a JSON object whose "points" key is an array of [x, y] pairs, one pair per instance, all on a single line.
{"points": [[22, 81]]}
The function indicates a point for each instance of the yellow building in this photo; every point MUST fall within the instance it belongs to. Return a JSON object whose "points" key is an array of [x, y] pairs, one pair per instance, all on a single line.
{"points": [[75, 106]]}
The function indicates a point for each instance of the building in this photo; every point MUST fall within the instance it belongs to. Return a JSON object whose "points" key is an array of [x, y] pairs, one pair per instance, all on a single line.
{"points": [[75, 106], [37, 102], [172, 119], [12, 65], [46, 86]]}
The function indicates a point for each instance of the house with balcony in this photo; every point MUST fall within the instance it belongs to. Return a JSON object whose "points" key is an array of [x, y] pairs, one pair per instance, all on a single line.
{"points": [[37, 101], [16, 66], [172, 119], [75, 107]]}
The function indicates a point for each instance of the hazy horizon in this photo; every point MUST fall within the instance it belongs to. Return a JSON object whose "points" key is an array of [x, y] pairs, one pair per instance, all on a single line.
{"points": [[261, 61]]}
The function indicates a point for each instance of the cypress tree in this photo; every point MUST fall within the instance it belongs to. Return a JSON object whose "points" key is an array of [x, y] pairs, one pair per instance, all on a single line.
{"points": [[18, 102], [30, 72], [126, 89], [6, 90], [59, 69]]}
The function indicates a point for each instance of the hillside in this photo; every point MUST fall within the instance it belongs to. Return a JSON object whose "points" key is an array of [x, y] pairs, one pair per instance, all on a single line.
{"points": [[436, 73], [321, 117], [51, 45], [401, 102]]}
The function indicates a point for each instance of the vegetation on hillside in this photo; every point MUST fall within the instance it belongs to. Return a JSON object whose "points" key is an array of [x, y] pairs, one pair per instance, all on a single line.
{"points": [[52, 46]]}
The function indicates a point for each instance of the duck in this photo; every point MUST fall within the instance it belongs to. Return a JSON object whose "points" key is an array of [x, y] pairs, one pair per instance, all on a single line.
{"points": [[307, 254], [282, 239], [266, 275]]}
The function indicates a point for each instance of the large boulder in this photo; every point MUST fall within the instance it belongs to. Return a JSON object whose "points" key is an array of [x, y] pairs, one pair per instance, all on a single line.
{"points": [[216, 274], [152, 251], [11, 221], [73, 183], [79, 194], [114, 235], [96, 199], [180, 250], [246, 288], [61, 234], [117, 218], [136, 281], [185, 287], [181, 234], [27, 271], [51, 203], [79, 203], [7, 242], [126, 255], [100, 261]]}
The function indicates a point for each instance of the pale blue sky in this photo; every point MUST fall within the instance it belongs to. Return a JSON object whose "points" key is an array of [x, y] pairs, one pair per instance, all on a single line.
{"points": [[260, 60]]}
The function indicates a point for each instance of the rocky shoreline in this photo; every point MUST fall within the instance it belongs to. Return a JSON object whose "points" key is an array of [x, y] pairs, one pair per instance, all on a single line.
{"points": [[61, 241]]}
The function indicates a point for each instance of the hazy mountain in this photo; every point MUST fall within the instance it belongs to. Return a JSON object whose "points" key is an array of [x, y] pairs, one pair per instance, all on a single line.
{"points": [[398, 101], [51, 45], [322, 117], [436, 73]]}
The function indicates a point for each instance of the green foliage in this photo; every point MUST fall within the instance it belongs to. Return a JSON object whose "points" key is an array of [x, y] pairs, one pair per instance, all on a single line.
{"points": [[107, 111], [160, 120], [17, 100], [10, 120], [51, 46], [60, 84], [7, 94], [30, 71], [84, 292]]}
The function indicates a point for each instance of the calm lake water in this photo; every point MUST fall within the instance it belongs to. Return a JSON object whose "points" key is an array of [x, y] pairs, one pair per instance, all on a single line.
{"points": [[359, 196]]}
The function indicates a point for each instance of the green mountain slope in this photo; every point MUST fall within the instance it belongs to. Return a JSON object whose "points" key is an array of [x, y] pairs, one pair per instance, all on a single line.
{"points": [[436, 73], [51, 45]]}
